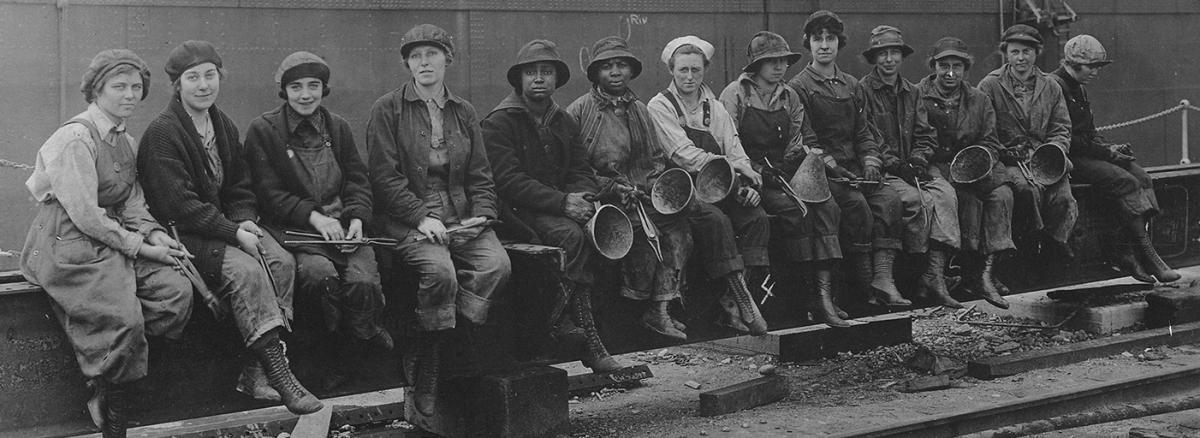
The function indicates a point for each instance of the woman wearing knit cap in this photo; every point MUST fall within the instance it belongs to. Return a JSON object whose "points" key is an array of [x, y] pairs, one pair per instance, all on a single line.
{"points": [[772, 125], [196, 178], [871, 224], [95, 249], [694, 129], [309, 177], [435, 194]]}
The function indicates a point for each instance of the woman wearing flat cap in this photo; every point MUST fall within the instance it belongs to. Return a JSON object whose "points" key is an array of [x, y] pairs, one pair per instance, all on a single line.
{"points": [[197, 179], [309, 178], [544, 183], [434, 192], [94, 248], [694, 129], [773, 126]]}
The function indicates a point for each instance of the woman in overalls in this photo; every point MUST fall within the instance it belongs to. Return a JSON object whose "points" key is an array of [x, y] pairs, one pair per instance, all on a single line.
{"points": [[309, 178], [107, 266], [772, 126], [695, 129], [434, 192]]}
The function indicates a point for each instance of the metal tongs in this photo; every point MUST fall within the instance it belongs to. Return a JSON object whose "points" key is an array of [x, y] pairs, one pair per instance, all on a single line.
{"points": [[649, 228], [458, 229], [857, 182], [786, 187], [1028, 173], [377, 241], [193, 275]]}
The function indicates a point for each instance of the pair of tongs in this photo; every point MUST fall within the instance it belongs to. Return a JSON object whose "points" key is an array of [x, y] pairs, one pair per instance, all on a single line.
{"points": [[377, 241], [193, 275], [650, 230]]}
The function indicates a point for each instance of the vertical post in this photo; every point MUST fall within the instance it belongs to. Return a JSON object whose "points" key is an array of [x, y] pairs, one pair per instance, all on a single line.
{"points": [[1183, 134]]}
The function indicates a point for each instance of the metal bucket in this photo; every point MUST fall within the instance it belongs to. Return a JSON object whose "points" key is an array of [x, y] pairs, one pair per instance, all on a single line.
{"points": [[810, 182], [672, 191], [1048, 164], [610, 231], [971, 164], [716, 180]]}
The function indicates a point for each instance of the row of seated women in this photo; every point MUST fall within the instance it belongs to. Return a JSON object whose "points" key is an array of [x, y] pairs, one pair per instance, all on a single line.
{"points": [[126, 237]]}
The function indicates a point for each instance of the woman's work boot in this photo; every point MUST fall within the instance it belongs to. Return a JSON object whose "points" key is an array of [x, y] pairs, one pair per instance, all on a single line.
{"points": [[1126, 261], [986, 286], [658, 319], [1148, 256], [932, 283], [823, 307], [115, 407], [270, 352], [252, 381], [595, 355], [750, 315], [428, 365], [731, 316], [883, 286]]}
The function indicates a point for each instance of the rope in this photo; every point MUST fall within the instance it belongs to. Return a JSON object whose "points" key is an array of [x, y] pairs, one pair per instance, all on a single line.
{"points": [[1148, 118], [15, 165]]}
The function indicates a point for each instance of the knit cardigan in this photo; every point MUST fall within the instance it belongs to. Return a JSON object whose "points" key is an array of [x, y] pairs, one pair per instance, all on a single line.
{"points": [[174, 171]]}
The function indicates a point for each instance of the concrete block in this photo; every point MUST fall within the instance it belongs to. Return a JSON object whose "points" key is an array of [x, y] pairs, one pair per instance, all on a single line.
{"points": [[525, 403], [927, 383], [1172, 306], [820, 340], [745, 395], [1101, 319]]}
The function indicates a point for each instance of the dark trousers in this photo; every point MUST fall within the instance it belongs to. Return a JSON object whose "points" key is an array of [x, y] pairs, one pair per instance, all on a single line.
{"points": [[348, 289], [1050, 209], [561, 231], [813, 237], [713, 234], [459, 277], [985, 219], [1128, 185], [871, 217], [751, 230]]}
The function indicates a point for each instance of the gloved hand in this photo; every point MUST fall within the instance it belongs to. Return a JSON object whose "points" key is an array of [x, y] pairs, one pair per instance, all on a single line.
{"points": [[904, 171], [920, 168], [872, 173]]}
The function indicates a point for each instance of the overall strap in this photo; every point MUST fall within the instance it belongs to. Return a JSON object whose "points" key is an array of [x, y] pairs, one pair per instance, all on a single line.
{"points": [[679, 110]]}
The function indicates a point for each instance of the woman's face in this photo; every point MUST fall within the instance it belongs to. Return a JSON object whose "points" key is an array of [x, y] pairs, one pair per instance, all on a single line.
{"points": [[199, 86], [120, 95], [688, 72], [427, 64]]}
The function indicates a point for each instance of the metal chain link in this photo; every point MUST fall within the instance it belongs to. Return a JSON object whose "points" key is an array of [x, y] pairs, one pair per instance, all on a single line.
{"points": [[15, 164], [1147, 118]]}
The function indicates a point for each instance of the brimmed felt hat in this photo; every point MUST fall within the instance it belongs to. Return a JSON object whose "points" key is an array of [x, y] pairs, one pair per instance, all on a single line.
{"points": [[427, 34], [107, 60], [1086, 50], [676, 43], [950, 46], [883, 37], [611, 48], [767, 45], [824, 19], [1022, 33], [539, 51], [190, 54]]}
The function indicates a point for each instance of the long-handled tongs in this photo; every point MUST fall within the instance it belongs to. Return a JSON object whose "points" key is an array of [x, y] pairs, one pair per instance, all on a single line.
{"points": [[786, 187], [650, 230], [193, 275], [377, 241]]}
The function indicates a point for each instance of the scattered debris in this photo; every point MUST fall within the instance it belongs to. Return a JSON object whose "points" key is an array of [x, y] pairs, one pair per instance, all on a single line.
{"points": [[767, 370], [928, 383], [692, 384]]}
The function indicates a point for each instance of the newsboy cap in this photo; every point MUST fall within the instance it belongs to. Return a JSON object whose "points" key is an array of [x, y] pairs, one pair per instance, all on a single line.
{"points": [[190, 54], [107, 60]]}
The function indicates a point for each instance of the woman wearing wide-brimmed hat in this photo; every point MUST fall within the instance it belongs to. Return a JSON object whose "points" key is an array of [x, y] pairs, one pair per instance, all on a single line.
{"points": [[434, 193], [773, 127], [94, 248]]}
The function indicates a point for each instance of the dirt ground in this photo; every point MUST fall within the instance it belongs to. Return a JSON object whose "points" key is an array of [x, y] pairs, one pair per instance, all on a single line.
{"points": [[864, 390]]}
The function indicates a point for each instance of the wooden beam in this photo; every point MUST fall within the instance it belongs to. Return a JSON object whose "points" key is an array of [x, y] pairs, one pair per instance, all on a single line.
{"points": [[744, 395], [820, 340]]}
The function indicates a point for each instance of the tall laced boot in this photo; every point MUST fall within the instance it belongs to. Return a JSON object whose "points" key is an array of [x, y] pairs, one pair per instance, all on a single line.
{"points": [[116, 405], [1147, 255], [657, 318], [883, 286], [862, 274], [252, 381], [563, 330], [932, 283], [271, 354], [988, 287], [750, 315], [823, 307], [596, 356], [1127, 262], [428, 365], [732, 317]]}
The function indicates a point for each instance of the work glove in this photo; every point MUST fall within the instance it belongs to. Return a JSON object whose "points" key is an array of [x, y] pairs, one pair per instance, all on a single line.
{"points": [[840, 172], [872, 173], [1120, 154], [1012, 155], [920, 168]]}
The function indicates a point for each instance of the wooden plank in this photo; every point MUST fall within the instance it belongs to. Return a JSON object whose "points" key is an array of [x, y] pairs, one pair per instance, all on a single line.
{"points": [[744, 395], [999, 366], [18, 288], [585, 383], [820, 340]]}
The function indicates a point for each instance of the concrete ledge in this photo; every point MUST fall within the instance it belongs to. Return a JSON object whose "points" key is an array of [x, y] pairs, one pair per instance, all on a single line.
{"points": [[820, 340], [1101, 319], [1071, 353]]}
